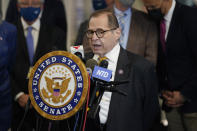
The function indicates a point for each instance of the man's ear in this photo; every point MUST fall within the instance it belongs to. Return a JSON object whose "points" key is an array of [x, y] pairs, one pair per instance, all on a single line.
{"points": [[117, 33]]}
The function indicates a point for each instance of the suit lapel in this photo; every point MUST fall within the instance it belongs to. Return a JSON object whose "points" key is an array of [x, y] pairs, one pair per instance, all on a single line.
{"points": [[43, 43], [22, 40], [173, 22], [122, 66], [122, 74]]}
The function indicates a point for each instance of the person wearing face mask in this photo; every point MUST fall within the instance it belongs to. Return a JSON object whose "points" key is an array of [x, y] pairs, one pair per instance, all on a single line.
{"points": [[139, 32], [34, 39], [177, 61], [51, 8]]}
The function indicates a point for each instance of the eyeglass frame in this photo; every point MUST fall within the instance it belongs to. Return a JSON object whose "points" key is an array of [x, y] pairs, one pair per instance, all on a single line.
{"points": [[96, 31]]}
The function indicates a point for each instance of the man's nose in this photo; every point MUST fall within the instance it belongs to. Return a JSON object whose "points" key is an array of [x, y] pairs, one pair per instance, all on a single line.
{"points": [[94, 36]]}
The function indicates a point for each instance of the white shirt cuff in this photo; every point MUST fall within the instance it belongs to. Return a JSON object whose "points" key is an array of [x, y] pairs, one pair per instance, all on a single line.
{"points": [[18, 95]]}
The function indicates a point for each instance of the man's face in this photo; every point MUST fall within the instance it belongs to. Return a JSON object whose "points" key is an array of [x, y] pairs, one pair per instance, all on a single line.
{"points": [[155, 8], [152, 4], [127, 3], [104, 44], [29, 3]]}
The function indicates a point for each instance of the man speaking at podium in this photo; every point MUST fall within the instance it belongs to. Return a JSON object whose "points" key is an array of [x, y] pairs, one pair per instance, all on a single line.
{"points": [[136, 110], [34, 40]]}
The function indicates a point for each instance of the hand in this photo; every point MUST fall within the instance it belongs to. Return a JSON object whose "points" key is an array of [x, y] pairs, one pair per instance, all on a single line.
{"points": [[173, 99], [22, 100]]}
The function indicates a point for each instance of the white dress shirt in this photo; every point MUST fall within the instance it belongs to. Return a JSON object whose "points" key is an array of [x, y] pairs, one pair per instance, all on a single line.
{"points": [[106, 98], [35, 30], [168, 17]]}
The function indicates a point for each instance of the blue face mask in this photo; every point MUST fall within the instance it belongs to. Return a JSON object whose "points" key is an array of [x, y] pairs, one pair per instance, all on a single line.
{"points": [[30, 13]]}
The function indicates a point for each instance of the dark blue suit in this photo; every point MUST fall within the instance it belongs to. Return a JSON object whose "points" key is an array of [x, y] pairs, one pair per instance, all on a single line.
{"points": [[7, 51]]}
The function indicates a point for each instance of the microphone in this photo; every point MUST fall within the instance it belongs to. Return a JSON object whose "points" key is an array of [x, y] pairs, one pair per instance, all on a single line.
{"points": [[104, 64], [79, 55], [96, 79], [78, 51], [101, 77], [90, 64]]}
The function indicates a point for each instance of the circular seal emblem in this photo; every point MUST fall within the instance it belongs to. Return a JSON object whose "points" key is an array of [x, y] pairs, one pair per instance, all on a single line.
{"points": [[58, 85]]}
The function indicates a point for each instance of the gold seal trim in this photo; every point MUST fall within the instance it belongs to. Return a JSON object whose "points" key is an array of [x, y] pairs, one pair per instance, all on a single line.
{"points": [[85, 83]]}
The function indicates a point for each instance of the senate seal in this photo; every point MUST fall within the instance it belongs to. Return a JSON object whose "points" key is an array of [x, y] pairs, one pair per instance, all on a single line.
{"points": [[58, 85]]}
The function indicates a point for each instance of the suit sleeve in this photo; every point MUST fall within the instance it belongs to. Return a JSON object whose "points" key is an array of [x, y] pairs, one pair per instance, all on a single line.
{"points": [[151, 104], [151, 43], [12, 48]]}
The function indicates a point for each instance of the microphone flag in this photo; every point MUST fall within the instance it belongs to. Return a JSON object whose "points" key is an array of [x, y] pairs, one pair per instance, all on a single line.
{"points": [[102, 73]]}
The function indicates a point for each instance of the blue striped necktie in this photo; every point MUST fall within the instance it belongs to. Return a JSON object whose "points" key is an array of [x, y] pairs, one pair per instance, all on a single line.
{"points": [[121, 20], [30, 44]]}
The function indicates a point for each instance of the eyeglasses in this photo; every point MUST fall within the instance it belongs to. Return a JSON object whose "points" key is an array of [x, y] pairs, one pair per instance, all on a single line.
{"points": [[99, 32]]}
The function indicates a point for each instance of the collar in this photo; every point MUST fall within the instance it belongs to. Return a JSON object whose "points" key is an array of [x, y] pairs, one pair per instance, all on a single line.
{"points": [[168, 16], [35, 25], [119, 12], [113, 54]]}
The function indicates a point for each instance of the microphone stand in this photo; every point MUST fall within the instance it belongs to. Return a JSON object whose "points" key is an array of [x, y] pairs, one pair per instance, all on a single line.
{"points": [[104, 86]]}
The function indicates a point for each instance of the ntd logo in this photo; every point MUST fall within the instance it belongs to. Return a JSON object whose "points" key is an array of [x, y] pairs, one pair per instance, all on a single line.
{"points": [[102, 73]]}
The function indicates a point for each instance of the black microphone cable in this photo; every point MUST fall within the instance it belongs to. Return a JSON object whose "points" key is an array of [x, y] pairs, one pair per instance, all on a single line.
{"points": [[26, 110]]}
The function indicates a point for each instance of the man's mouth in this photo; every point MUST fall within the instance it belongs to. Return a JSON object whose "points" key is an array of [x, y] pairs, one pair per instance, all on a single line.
{"points": [[96, 45]]}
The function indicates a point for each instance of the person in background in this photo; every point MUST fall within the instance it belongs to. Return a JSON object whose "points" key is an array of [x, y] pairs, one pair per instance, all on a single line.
{"points": [[7, 59], [34, 39], [177, 61], [186, 2], [195, 3], [49, 14], [136, 110], [139, 32]]}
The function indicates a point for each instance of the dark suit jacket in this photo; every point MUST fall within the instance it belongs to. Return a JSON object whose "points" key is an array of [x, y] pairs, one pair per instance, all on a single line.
{"points": [[142, 39], [50, 39], [135, 111], [177, 68]]}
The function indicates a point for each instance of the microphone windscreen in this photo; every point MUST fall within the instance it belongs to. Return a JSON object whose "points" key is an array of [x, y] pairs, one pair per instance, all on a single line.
{"points": [[79, 55], [75, 49], [104, 64], [91, 63]]}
